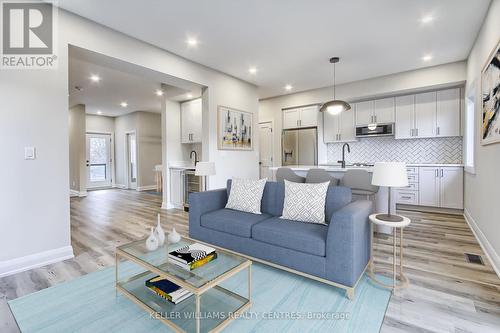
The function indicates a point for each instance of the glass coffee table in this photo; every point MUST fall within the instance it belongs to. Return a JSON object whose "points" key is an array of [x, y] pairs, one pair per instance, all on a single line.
{"points": [[210, 308]]}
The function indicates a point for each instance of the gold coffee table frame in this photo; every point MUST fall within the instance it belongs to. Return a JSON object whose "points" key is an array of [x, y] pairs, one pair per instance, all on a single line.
{"points": [[197, 291], [399, 280]]}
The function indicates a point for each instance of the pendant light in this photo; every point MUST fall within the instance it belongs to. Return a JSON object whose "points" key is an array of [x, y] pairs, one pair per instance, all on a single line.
{"points": [[335, 106]]}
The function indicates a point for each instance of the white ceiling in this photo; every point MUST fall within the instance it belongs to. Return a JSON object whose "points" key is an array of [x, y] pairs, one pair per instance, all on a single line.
{"points": [[290, 41], [120, 82]]}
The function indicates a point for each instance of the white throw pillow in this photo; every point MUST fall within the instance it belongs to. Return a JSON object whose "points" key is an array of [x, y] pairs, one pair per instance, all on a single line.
{"points": [[305, 202], [246, 195]]}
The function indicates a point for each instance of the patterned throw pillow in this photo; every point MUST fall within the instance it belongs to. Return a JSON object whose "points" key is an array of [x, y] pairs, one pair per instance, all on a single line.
{"points": [[246, 195], [305, 202]]}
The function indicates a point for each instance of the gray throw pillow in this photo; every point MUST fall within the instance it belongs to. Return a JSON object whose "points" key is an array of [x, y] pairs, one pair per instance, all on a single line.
{"points": [[246, 195], [305, 202]]}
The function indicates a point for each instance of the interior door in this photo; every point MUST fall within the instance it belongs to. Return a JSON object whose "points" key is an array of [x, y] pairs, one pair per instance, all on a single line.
{"points": [[98, 147], [428, 186], [132, 160], [266, 149]]}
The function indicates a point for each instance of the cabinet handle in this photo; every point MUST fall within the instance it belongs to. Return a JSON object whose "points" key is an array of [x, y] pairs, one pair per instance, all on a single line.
{"points": [[441, 173], [416, 131], [437, 173], [340, 136], [405, 197], [297, 123], [300, 122], [375, 117], [437, 130]]}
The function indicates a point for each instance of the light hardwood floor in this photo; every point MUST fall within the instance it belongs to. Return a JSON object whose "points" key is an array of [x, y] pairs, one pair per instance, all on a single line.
{"points": [[446, 293]]}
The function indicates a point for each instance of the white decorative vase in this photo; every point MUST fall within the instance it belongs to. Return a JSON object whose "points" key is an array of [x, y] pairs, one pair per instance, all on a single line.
{"points": [[152, 241], [160, 234], [174, 237]]}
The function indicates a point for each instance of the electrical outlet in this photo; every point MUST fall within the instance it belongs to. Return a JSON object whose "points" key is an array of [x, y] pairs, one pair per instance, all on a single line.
{"points": [[29, 153]]}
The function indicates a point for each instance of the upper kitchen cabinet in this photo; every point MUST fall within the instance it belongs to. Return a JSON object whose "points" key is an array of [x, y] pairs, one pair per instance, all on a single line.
{"points": [[425, 115], [405, 116], [380, 111], [428, 115], [339, 128], [448, 113], [191, 129], [383, 110], [300, 117]]}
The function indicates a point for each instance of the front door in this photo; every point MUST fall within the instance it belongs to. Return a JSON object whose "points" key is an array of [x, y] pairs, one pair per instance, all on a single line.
{"points": [[266, 149], [98, 160]]}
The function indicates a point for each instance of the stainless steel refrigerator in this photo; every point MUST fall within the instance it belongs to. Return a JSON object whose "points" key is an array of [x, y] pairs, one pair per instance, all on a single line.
{"points": [[299, 147]]}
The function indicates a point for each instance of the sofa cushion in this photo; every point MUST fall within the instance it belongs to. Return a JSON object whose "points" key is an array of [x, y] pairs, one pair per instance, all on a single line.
{"points": [[268, 202], [232, 221], [300, 236], [305, 202]]}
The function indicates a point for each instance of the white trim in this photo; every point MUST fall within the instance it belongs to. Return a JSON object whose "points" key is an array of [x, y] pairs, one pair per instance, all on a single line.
{"points": [[146, 188], [36, 260], [121, 186], [483, 242], [167, 205], [75, 193]]}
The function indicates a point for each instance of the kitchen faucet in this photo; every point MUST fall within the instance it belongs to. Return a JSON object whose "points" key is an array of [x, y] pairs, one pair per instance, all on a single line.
{"points": [[343, 154], [195, 156]]}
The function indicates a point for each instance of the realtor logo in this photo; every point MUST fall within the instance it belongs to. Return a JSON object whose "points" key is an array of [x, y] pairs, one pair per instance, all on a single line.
{"points": [[27, 35]]}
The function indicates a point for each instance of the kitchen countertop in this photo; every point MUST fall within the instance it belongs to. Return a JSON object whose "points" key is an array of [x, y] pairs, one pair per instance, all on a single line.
{"points": [[338, 168], [184, 165]]}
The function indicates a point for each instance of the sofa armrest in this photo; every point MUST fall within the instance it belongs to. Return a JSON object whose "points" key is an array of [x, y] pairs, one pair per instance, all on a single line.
{"points": [[201, 203], [348, 242]]}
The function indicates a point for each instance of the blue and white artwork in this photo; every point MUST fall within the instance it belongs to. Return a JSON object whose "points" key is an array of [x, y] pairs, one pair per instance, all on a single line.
{"points": [[490, 90], [234, 129]]}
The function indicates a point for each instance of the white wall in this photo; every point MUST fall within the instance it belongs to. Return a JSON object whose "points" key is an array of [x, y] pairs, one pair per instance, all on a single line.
{"points": [[35, 195], [400, 83], [149, 148], [482, 190], [99, 124], [123, 125], [77, 165]]}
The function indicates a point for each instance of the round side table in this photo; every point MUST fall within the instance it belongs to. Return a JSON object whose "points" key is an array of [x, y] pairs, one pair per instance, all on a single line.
{"points": [[402, 281]]}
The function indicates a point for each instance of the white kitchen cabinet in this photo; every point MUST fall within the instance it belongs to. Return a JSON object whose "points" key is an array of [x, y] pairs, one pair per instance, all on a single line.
{"points": [[428, 186], [191, 126], [383, 110], [364, 113], [176, 187], [339, 128], [452, 187], [441, 187], [448, 113], [300, 117], [405, 116], [425, 115]]}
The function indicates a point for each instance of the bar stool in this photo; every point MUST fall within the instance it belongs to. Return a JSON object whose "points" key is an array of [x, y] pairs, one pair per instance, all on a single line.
{"points": [[320, 176], [288, 174], [360, 182]]}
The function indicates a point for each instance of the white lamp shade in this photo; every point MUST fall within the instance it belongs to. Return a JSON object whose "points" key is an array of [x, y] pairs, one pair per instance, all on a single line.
{"points": [[391, 174], [205, 169]]}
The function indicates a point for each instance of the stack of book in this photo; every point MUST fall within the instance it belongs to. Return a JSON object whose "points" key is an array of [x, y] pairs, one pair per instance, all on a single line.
{"points": [[192, 256], [167, 290]]}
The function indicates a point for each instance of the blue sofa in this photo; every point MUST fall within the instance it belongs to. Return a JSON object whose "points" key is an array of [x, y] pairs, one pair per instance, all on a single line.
{"points": [[336, 253]]}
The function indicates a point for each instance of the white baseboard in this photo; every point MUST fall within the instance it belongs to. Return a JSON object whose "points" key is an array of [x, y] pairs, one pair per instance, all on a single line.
{"points": [[75, 193], [167, 205], [36, 260], [121, 186], [146, 188], [483, 242]]}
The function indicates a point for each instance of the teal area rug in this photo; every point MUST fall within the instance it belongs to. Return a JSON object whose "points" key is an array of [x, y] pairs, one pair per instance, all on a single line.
{"points": [[90, 304]]}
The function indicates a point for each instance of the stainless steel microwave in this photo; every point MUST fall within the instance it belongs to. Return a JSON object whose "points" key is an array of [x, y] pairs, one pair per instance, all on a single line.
{"points": [[374, 130]]}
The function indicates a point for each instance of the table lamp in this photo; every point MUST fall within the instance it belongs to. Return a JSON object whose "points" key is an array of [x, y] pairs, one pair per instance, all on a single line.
{"points": [[390, 174], [205, 169]]}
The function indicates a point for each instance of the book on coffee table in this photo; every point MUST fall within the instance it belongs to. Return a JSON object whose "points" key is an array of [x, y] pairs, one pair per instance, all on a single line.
{"points": [[192, 256], [167, 289]]}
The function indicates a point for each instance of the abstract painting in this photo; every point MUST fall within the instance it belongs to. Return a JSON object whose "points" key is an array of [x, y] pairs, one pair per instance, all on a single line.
{"points": [[490, 91], [234, 129]]}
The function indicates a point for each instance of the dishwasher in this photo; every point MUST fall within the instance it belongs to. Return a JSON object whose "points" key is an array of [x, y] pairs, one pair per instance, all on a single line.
{"points": [[192, 183]]}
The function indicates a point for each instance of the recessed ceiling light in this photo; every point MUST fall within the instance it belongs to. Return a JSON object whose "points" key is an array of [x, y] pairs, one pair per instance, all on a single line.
{"points": [[252, 70], [189, 95], [192, 41], [427, 19], [159, 92], [288, 87], [123, 104], [99, 112], [427, 57], [95, 78]]}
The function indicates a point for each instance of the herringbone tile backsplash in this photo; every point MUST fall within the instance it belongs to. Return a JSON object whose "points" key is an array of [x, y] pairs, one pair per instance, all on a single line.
{"points": [[435, 150]]}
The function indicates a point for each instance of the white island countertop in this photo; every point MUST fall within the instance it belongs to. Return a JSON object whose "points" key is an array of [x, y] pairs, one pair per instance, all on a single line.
{"points": [[338, 168]]}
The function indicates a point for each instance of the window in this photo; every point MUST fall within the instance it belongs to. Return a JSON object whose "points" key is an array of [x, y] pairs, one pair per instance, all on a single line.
{"points": [[470, 131]]}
